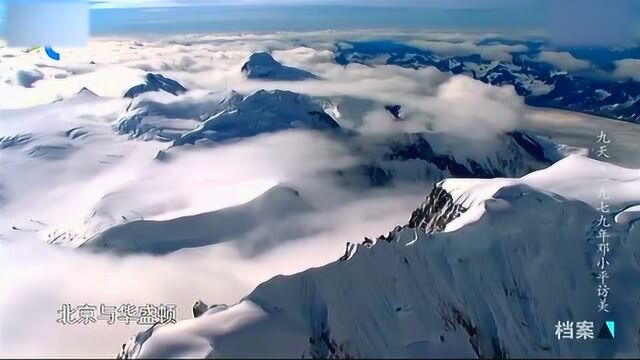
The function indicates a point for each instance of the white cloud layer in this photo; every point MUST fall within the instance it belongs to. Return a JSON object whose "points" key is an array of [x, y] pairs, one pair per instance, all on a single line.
{"points": [[627, 69], [37, 278], [105, 171], [563, 61], [499, 52]]}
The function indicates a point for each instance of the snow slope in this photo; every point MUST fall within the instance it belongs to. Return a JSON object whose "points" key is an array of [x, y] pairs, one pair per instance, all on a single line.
{"points": [[78, 161], [79, 176], [273, 210], [262, 112], [576, 177], [494, 287], [164, 117], [67, 175]]}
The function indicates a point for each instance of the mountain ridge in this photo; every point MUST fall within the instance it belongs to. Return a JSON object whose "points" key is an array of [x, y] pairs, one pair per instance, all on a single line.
{"points": [[427, 293], [540, 83]]}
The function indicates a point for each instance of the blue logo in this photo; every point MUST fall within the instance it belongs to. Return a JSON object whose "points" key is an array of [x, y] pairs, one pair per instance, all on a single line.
{"points": [[51, 53]]}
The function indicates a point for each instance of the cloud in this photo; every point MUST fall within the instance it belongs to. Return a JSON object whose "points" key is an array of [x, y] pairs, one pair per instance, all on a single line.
{"points": [[37, 278], [563, 60], [213, 62], [455, 109], [627, 69], [431, 99], [489, 52]]}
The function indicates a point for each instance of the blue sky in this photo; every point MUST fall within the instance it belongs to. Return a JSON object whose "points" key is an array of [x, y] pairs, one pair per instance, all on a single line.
{"points": [[573, 18], [394, 3]]}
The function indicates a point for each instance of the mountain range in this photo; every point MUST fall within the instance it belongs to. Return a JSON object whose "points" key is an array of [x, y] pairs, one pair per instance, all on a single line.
{"points": [[540, 83], [467, 276], [357, 221]]}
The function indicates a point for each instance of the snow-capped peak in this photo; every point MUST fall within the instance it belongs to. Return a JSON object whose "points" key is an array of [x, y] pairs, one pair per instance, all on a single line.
{"points": [[162, 116], [574, 177], [262, 112], [465, 293], [156, 82], [262, 65], [86, 92]]}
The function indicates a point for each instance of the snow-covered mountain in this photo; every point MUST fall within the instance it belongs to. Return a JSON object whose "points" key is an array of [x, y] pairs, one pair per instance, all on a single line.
{"points": [[206, 181], [431, 157], [221, 116], [395, 110], [517, 257], [262, 112], [156, 82], [84, 92], [383, 160], [263, 66], [163, 117], [404, 159], [540, 83], [276, 210]]}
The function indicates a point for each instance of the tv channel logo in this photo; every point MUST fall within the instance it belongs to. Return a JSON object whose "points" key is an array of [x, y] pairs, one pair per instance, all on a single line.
{"points": [[50, 23]]}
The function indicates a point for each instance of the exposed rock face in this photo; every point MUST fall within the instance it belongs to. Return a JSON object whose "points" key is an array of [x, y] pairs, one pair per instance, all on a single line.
{"points": [[515, 154], [199, 308], [436, 212], [86, 92], [396, 111]]}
